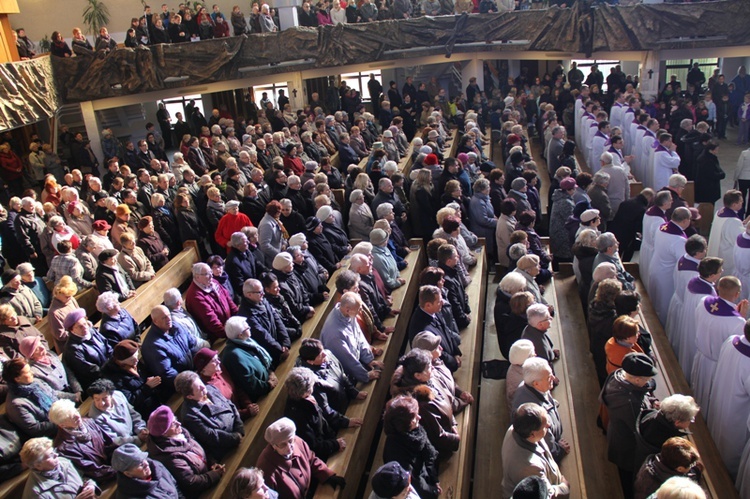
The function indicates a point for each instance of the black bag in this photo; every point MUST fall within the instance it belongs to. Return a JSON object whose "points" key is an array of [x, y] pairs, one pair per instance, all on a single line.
{"points": [[495, 369]]}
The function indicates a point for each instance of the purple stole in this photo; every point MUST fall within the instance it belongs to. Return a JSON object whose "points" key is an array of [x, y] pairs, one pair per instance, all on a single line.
{"points": [[687, 265], [743, 241], [655, 211], [658, 147], [698, 286], [741, 347], [673, 229], [727, 213], [612, 150], [717, 307], [649, 133], [629, 110], [600, 134], [641, 127]]}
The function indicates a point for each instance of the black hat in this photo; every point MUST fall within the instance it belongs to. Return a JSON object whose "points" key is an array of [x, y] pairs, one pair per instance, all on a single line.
{"points": [[100, 195], [107, 254], [639, 364], [8, 276], [291, 147], [531, 487], [312, 223], [390, 480]]}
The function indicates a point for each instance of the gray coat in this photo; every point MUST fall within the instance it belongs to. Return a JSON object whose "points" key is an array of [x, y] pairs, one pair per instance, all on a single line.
{"points": [[360, 221], [527, 394], [39, 486], [121, 422], [559, 237], [269, 235], [215, 426], [57, 376], [28, 417], [522, 459]]}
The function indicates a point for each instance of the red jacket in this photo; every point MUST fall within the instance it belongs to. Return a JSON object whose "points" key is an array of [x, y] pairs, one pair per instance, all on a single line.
{"points": [[211, 310], [291, 478], [295, 164], [11, 166], [228, 225]]}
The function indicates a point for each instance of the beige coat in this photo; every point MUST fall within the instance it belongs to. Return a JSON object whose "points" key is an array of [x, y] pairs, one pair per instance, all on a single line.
{"points": [[137, 265]]}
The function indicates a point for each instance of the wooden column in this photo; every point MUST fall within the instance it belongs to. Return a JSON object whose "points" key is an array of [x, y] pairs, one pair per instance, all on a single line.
{"points": [[8, 51]]}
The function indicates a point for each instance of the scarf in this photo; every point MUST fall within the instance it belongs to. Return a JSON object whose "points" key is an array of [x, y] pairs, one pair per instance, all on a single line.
{"points": [[218, 205], [259, 351], [37, 392]]}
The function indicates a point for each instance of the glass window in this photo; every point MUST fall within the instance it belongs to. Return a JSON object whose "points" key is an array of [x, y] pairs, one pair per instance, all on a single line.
{"points": [[177, 105], [272, 92], [604, 66], [358, 81], [681, 67]]}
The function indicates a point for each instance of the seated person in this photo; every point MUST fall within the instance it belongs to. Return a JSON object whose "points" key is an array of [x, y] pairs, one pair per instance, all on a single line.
{"points": [[167, 349], [49, 369], [240, 263], [272, 291], [208, 415], [448, 261], [343, 337], [114, 415], [173, 301], [427, 317], [247, 482], [288, 455], [526, 453], [140, 476], [13, 329], [82, 442], [309, 276], [678, 458], [63, 302], [151, 243], [392, 480], [317, 423], [265, 323], [297, 297], [335, 234], [52, 476], [320, 246], [67, 263], [332, 383], [246, 362], [21, 298], [539, 323], [134, 261], [117, 324], [442, 379], [208, 302], [87, 350], [110, 276], [383, 260], [36, 284], [175, 448], [220, 275], [28, 402], [208, 366], [130, 377]]}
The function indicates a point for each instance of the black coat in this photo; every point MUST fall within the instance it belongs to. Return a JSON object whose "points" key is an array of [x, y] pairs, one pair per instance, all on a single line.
{"points": [[338, 239], [106, 281], [266, 327], [422, 209], [142, 397], [457, 297], [295, 294], [240, 267], [708, 178], [86, 358], [422, 321], [629, 219], [216, 426], [310, 276], [317, 424], [414, 452], [320, 247]]}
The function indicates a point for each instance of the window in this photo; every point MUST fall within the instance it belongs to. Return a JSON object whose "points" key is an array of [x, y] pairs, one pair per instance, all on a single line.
{"points": [[272, 91], [604, 66], [177, 105], [358, 81], [680, 68]]}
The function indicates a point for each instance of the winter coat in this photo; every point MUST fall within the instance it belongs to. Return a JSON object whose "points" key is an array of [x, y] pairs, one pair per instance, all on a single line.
{"points": [[240, 267], [211, 309], [107, 280], [186, 461], [332, 382], [294, 293], [437, 418], [708, 178], [88, 453], [153, 246], [10, 336], [266, 327], [559, 237], [654, 473], [143, 398], [247, 364], [311, 274], [483, 221], [270, 237], [161, 484], [167, 354], [26, 412], [450, 341], [320, 247], [292, 477], [29, 228], [228, 225], [57, 376], [601, 318], [117, 329], [66, 484], [86, 357], [413, 451], [528, 394], [386, 266], [23, 301], [652, 430], [422, 209], [457, 296], [121, 422], [338, 239], [317, 424], [216, 426], [360, 221]]}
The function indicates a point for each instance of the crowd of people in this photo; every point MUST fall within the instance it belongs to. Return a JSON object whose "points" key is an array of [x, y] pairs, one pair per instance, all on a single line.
{"points": [[256, 194]]}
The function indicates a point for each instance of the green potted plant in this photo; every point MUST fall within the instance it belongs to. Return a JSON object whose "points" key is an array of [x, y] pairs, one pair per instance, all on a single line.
{"points": [[95, 16]]}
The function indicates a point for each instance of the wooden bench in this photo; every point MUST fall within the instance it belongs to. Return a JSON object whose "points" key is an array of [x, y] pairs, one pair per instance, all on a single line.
{"points": [[352, 461], [456, 472]]}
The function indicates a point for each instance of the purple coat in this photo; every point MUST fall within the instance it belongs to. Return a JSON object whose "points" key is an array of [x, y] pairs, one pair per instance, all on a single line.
{"points": [[211, 310]]}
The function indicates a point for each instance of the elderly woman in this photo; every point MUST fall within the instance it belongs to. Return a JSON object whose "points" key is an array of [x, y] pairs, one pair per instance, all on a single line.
{"points": [[165, 223], [117, 324], [292, 220], [63, 302], [188, 223], [130, 378], [82, 441], [483, 220], [562, 210], [220, 275], [246, 362], [133, 260], [87, 350], [317, 423], [29, 400], [49, 369], [450, 230], [413, 376], [335, 234], [308, 276], [175, 448], [519, 352], [407, 443], [52, 476], [624, 340], [13, 329], [584, 253], [294, 291], [271, 232], [208, 415], [61, 232], [140, 476], [208, 365], [385, 211], [114, 415], [273, 294], [602, 315], [290, 464], [209, 302], [360, 216], [526, 222], [510, 284], [528, 267], [173, 301], [383, 260], [320, 247], [85, 255], [151, 243], [672, 419], [422, 204], [248, 483]]}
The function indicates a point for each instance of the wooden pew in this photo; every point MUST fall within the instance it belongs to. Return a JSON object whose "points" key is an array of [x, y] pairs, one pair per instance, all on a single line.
{"points": [[456, 473], [335, 161]]}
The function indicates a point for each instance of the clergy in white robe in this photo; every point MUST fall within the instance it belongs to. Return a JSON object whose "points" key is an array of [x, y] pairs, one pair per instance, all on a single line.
{"points": [[727, 225], [716, 319], [698, 288], [669, 246], [742, 262], [630, 137], [618, 189], [593, 128], [652, 220], [580, 109], [599, 144], [686, 269], [617, 157], [730, 401], [646, 152], [666, 161], [618, 110], [743, 475], [635, 151]]}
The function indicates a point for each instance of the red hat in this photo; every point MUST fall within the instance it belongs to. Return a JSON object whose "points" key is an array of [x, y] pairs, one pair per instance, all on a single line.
{"points": [[160, 421], [513, 138], [431, 160], [202, 358]]}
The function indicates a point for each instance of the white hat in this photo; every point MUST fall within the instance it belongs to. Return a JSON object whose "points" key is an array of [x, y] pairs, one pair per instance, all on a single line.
{"points": [[297, 239], [589, 215], [282, 260], [388, 134], [324, 212]]}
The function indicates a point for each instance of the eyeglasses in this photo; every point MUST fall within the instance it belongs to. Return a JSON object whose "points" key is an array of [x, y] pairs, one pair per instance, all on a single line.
{"points": [[256, 292]]}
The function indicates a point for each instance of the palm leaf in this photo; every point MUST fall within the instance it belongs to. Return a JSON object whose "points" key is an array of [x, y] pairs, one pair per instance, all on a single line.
{"points": [[95, 16]]}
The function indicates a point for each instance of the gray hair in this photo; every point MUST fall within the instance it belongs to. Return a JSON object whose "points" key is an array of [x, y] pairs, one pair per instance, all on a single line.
{"points": [[601, 178], [535, 369], [677, 180], [247, 287], [679, 408], [383, 210], [481, 185], [605, 241], [663, 198], [587, 237], [236, 239], [172, 298], [25, 268], [606, 158], [183, 383], [356, 195], [107, 301], [512, 283], [517, 251], [61, 411], [286, 202], [157, 199], [200, 267], [356, 261], [383, 182], [537, 313], [299, 382], [605, 270], [363, 247]]}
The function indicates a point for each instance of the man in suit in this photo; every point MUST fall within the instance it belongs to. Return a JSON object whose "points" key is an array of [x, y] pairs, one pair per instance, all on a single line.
{"points": [[427, 317]]}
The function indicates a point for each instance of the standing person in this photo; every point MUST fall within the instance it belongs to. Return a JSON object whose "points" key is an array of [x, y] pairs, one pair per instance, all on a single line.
{"points": [[666, 161], [708, 175], [725, 228]]}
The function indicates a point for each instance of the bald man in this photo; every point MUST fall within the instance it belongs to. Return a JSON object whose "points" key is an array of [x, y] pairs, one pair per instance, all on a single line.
{"points": [[168, 349]]}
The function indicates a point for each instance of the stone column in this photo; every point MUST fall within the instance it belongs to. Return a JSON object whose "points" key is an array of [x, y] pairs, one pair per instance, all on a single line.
{"points": [[649, 75], [92, 131], [472, 69], [287, 13]]}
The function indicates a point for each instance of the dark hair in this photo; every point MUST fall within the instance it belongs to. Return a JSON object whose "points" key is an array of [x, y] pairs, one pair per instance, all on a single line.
{"points": [[101, 385], [345, 280], [584, 179], [431, 276], [528, 419], [432, 247], [399, 413], [64, 246], [268, 278], [215, 260], [615, 139], [709, 266], [310, 348], [273, 208], [508, 206], [627, 302], [678, 452], [451, 223], [527, 218], [12, 369], [695, 244]]}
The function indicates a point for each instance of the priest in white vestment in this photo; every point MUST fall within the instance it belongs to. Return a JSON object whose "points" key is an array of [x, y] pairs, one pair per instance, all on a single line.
{"points": [[669, 246], [618, 159], [654, 218], [730, 401], [666, 161], [684, 271], [727, 225], [599, 144], [743, 475], [742, 261], [648, 143], [716, 319]]}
